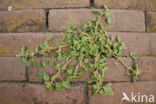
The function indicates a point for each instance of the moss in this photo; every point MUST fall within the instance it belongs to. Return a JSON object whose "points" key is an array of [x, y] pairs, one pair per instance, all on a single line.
{"points": [[74, 2], [4, 50], [22, 3], [152, 29], [29, 4], [8, 101], [18, 24]]}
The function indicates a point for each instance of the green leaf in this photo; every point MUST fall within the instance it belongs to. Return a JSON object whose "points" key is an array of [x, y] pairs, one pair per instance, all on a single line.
{"points": [[49, 86], [58, 85], [58, 66], [51, 61], [70, 70], [107, 13], [107, 90], [44, 63], [138, 72], [93, 19], [105, 68], [60, 58], [105, 7], [85, 26], [134, 78], [128, 73], [36, 64], [95, 94], [86, 60], [49, 37], [119, 38], [85, 68], [109, 20], [95, 11], [23, 48], [66, 84], [26, 62], [115, 45], [43, 75]]}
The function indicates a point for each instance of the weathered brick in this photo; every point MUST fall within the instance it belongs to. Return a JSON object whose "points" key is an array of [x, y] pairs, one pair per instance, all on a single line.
{"points": [[33, 72], [151, 21], [22, 21], [153, 44], [133, 41], [12, 69], [12, 93], [138, 89], [117, 73], [11, 43], [123, 20], [147, 66], [128, 4], [138, 43], [22, 4]]}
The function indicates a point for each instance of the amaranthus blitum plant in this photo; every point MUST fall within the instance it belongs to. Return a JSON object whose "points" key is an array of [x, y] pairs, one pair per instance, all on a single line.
{"points": [[90, 45]]}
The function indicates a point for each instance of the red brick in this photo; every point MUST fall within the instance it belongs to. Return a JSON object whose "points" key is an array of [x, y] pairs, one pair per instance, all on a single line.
{"points": [[147, 66], [114, 73], [153, 44], [12, 93], [144, 88], [123, 20], [28, 4], [117, 73], [138, 43], [151, 21], [22, 21], [128, 4], [33, 72], [11, 43], [12, 69]]}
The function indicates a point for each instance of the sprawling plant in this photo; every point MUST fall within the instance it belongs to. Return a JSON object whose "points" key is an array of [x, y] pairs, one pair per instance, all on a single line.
{"points": [[90, 45]]}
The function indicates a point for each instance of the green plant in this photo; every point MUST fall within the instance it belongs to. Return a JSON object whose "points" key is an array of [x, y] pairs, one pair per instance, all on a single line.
{"points": [[90, 45]]}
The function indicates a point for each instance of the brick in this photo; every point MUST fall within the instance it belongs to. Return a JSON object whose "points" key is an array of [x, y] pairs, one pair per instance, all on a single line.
{"points": [[22, 21], [117, 73], [138, 43], [131, 20], [151, 21], [143, 88], [153, 44], [12, 69], [128, 4], [11, 43], [33, 72], [29, 4], [147, 66], [12, 93], [133, 41]]}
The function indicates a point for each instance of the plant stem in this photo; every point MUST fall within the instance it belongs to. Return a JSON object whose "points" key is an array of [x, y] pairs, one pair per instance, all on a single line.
{"points": [[77, 67], [123, 63], [61, 69]]}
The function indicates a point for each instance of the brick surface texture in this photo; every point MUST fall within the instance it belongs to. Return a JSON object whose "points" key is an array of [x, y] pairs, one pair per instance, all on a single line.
{"points": [[128, 4], [22, 21], [30, 21], [29, 4], [151, 21], [131, 20]]}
